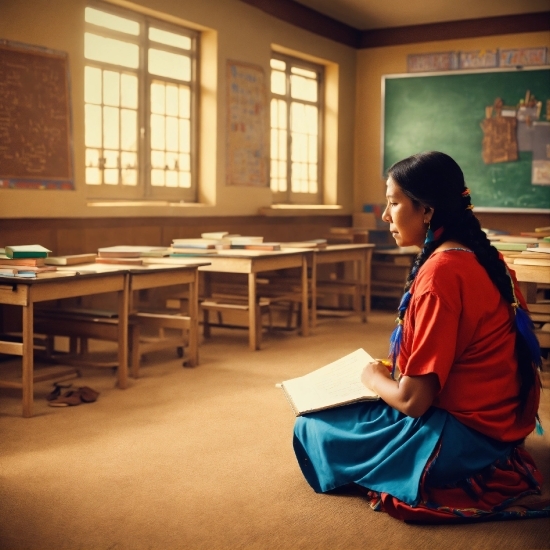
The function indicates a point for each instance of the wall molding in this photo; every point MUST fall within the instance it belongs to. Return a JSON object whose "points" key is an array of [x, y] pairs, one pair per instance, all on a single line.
{"points": [[310, 20]]}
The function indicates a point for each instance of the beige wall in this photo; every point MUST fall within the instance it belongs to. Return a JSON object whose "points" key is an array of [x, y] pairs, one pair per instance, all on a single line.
{"points": [[233, 30], [372, 64]]}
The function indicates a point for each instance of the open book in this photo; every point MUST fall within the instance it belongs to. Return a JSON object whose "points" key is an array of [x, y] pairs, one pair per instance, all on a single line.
{"points": [[338, 383]]}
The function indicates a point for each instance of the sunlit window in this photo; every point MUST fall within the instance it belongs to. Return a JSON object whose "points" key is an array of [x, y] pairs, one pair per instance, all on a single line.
{"points": [[139, 97], [296, 111]]}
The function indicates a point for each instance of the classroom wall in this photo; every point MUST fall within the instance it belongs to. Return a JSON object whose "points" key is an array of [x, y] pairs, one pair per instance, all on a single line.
{"points": [[372, 64], [233, 30]]}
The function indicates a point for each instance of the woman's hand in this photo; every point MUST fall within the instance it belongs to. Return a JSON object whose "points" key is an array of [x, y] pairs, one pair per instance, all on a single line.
{"points": [[371, 371], [411, 395]]}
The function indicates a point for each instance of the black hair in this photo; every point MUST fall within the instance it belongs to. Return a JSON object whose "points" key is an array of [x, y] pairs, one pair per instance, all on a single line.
{"points": [[435, 180]]}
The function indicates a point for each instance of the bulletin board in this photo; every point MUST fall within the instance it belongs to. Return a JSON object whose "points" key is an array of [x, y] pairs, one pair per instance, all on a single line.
{"points": [[246, 125], [445, 112], [35, 118]]}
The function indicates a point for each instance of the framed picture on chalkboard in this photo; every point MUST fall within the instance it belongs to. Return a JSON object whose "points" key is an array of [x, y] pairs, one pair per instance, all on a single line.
{"points": [[446, 112], [35, 118]]}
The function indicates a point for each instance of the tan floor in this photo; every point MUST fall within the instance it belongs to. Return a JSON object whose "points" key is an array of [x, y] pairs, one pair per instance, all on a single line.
{"points": [[202, 459]]}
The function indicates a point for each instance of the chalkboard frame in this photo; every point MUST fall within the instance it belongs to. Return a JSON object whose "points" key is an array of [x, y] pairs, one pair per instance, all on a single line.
{"points": [[385, 78]]}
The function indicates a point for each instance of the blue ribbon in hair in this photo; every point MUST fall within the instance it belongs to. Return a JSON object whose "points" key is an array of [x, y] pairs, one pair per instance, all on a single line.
{"points": [[397, 334]]}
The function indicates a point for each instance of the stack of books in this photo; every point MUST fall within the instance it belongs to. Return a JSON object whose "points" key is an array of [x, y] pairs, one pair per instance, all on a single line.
{"points": [[315, 244], [26, 261], [128, 254], [527, 248], [193, 247]]}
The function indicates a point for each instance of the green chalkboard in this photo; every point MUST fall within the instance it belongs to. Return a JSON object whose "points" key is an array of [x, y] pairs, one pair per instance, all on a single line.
{"points": [[443, 112]]}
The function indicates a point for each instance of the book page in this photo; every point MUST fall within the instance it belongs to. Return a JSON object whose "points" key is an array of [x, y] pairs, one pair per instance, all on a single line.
{"points": [[335, 384]]}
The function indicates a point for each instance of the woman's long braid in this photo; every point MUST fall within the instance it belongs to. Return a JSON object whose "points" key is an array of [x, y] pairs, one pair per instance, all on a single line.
{"points": [[469, 232]]}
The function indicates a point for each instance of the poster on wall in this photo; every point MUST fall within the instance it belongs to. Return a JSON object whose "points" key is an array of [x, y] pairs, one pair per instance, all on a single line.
{"points": [[35, 118], [246, 125]]}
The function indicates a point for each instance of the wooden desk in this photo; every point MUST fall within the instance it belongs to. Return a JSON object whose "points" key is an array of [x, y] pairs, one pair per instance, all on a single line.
{"points": [[529, 276], [94, 279], [252, 262], [158, 275], [361, 256], [26, 292]]}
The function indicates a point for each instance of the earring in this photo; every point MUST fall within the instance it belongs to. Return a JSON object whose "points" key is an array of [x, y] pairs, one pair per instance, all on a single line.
{"points": [[429, 235]]}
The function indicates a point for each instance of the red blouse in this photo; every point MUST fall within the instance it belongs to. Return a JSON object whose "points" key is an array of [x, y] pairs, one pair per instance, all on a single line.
{"points": [[459, 327]]}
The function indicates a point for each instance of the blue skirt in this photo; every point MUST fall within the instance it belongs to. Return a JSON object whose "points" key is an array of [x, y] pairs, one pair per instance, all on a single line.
{"points": [[375, 446]]}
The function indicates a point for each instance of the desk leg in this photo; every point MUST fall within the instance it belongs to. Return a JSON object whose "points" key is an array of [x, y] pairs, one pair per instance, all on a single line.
{"points": [[194, 322], [313, 291], [363, 298], [253, 336], [305, 298], [28, 360], [123, 314]]}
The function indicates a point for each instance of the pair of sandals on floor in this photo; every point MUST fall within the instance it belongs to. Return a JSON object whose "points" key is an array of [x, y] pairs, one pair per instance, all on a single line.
{"points": [[70, 398]]}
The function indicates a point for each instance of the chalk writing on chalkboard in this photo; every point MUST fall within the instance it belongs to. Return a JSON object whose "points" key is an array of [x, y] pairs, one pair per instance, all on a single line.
{"points": [[35, 119], [246, 100]]}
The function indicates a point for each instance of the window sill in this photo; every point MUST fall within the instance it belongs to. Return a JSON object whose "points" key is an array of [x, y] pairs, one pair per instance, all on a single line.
{"points": [[130, 204], [301, 210]]}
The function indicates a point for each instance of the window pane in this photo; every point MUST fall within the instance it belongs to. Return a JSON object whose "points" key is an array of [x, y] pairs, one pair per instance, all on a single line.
{"points": [[299, 147], [128, 130], [185, 102], [312, 168], [128, 160], [172, 100], [111, 88], [110, 177], [274, 143], [278, 82], [278, 64], [274, 113], [157, 178], [158, 98], [311, 119], [110, 21], [129, 91], [158, 159], [93, 176], [171, 178], [313, 146], [110, 50], [274, 169], [92, 157], [172, 161], [171, 133], [298, 117], [169, 64], [185, 136], [184, 162], [282, 144], [111, 159], [157, 132], [92, 85], [303, 88], [185, 180], [282, 170], [111, 138], [170, 38], [282, 122], [129, 177], [93, 125], [303, 72]]}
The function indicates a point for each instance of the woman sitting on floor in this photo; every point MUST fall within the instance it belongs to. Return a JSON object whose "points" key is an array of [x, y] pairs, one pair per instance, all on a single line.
{"points": [[445, 442]]}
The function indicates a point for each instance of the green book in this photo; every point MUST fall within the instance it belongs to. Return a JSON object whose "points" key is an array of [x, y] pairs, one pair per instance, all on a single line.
{"points": [[26, 251], [510, 246]]}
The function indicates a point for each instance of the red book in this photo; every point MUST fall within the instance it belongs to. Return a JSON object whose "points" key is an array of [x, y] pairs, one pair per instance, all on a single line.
{"points": [[14, 262]]}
